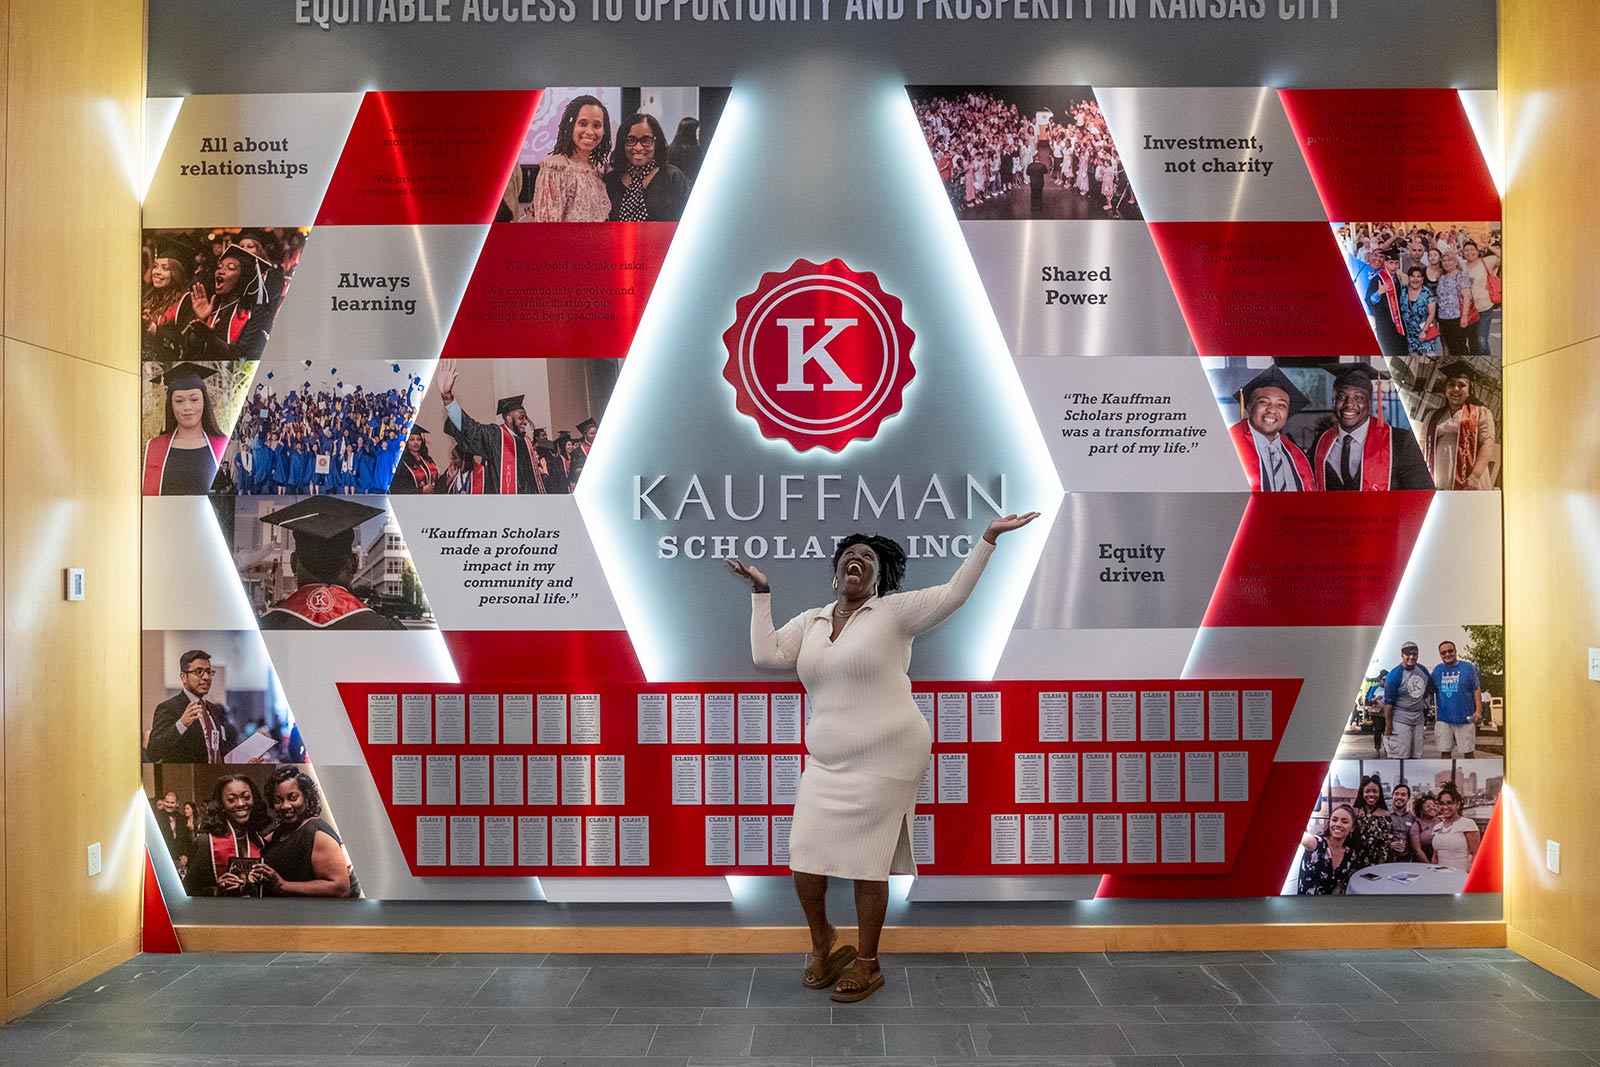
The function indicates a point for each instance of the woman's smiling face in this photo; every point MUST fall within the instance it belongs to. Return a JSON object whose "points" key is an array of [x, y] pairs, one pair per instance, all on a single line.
{"points": [[857, 572]]}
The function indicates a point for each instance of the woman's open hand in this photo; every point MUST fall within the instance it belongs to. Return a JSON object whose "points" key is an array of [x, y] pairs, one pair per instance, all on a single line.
{"points": [[753, 575], [1007, 523]]}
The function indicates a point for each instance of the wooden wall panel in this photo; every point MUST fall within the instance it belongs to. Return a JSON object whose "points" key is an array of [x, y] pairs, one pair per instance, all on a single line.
{"points": [[71, 707], [74, 107], [1550, 84]]}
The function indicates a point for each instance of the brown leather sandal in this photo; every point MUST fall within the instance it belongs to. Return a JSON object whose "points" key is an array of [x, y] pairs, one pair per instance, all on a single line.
{"points": [[821, 973], [853, 987]]}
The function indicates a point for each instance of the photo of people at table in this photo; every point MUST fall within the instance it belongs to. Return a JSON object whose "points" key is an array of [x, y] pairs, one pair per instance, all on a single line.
{"points": [[1429, 288], [1024, 152], [322, 428], [1396, 827], [1307, 425], [250, 831], [1431, 692], [213, 294], [611, 154], [491, 426]]}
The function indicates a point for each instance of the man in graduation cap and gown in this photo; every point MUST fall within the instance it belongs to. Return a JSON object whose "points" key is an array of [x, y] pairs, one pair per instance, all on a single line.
{"points": [[1360, 451], [510, 462], [324, 563], [183, 460], [1273, 463]]}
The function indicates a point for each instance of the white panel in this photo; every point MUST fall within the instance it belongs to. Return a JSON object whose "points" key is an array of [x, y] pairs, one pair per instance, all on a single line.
{"points": [[376, 292], [1138, 314], [1095, 654], [1144, 121], [300, 130], [635, 890], [1331, 659], [432, 525], [189, 581], [1039, 887], [311, 663], [1070, 395], [160, 114], [1454, 575]]}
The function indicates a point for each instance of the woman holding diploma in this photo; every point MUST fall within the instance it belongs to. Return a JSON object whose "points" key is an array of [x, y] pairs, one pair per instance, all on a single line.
{"points": [[868, 744]]}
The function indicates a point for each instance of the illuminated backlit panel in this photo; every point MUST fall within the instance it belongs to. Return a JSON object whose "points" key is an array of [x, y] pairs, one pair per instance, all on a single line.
{"points": [[249, 160], [1209, 155], [1456, 570], [421, 158], [1096, 652], [640, 498], [376, 292], [188, 577], [1392, 154]]}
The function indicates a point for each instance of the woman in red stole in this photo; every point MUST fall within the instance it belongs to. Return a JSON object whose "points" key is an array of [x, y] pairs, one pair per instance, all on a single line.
{"points": [[230, 841], [183, 460]]}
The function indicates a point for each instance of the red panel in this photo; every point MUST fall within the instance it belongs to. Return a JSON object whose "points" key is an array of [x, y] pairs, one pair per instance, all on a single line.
{"points": [[1269, 841], [491, 657], [427, 158], [1488, 864], [1392, 155], [158, 934], [1317, 559], [677, 832], [553, 289], [1264, 289]]}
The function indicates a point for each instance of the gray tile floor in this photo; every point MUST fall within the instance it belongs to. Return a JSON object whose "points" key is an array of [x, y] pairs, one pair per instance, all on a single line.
{"points": [[1391, 1008]]}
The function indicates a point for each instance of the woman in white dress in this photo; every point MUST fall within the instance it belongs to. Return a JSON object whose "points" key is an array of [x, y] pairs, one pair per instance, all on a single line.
{"points": [[868, 745], [1455, 837]]}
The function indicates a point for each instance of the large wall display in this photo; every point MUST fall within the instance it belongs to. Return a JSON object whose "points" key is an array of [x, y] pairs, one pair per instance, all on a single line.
{"points": [[458, 402]]}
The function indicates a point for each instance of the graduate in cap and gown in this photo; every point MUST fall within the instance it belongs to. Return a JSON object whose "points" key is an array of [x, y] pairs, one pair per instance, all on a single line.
{"points": [[182, 461], [1273, 463], [1462, 449], [510, 462], [233, 320], [168, 283], [416, 472], [1360, 451], [324, 563]]}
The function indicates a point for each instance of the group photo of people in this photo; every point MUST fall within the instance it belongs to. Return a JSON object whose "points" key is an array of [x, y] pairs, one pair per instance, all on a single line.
{"points": [[1431, 692], [1429, 288], [326, 562], [318, 428], [212, 697], [610, 154], [1024, 152], [187, 408], [1396, 827], [506, 426], [261, 830], [211, 295], [1308, 425]]}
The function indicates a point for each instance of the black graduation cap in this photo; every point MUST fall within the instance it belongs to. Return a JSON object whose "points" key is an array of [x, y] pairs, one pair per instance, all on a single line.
{"points": [[1273, 378], [259, 236], [508, 404], [249, 259], [322, 517], [177, 246], [419, 429], [1352, 375], [1459, 368], [183, 376], [583, 427]]}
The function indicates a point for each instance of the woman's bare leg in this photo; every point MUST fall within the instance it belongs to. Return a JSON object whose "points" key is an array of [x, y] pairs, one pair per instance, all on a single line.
{"points": [[872, 904], [812, 889]]}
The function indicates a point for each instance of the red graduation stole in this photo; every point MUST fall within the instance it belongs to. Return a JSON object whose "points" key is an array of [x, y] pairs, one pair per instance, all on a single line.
{"points": [[1377, 455], [509, 443], [423, 473], [1245, 445], [321, 605], [224, 849], [1394, 300], [155, 459]]}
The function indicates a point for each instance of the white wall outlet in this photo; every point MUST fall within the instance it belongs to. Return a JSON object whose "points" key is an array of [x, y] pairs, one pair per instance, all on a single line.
{"points": [[1594, 665], [94, 859], [74, 583], [1552, 856]]}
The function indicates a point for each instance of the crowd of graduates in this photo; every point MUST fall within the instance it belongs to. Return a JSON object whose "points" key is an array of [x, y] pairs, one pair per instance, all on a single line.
{"points": [[319, 441]]}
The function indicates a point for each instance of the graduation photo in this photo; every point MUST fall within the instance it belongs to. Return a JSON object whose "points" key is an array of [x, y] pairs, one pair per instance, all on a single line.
{"points": [[211, 696], [213, 294], [187, 411]]}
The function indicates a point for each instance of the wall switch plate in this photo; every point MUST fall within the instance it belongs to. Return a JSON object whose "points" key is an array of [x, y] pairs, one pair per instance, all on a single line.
{"points": [[94, 859], [1552, 856], [74, 582], [1594, 665]]}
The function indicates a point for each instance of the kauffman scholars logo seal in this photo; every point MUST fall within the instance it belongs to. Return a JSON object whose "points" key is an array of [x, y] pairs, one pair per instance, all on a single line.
{"points": [[818, 355]]}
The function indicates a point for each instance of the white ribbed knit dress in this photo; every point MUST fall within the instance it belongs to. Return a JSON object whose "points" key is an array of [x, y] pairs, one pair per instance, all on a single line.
{"points": [[867, 743]]}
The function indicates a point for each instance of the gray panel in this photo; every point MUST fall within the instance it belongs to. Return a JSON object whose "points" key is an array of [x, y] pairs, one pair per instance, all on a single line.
{"points": [[266, 47]]}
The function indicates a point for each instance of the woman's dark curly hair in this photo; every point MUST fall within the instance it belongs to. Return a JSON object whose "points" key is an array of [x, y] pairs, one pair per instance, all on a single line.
{"points": [[299, 777], [214, 818], [891, 559], [567, 146]]}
